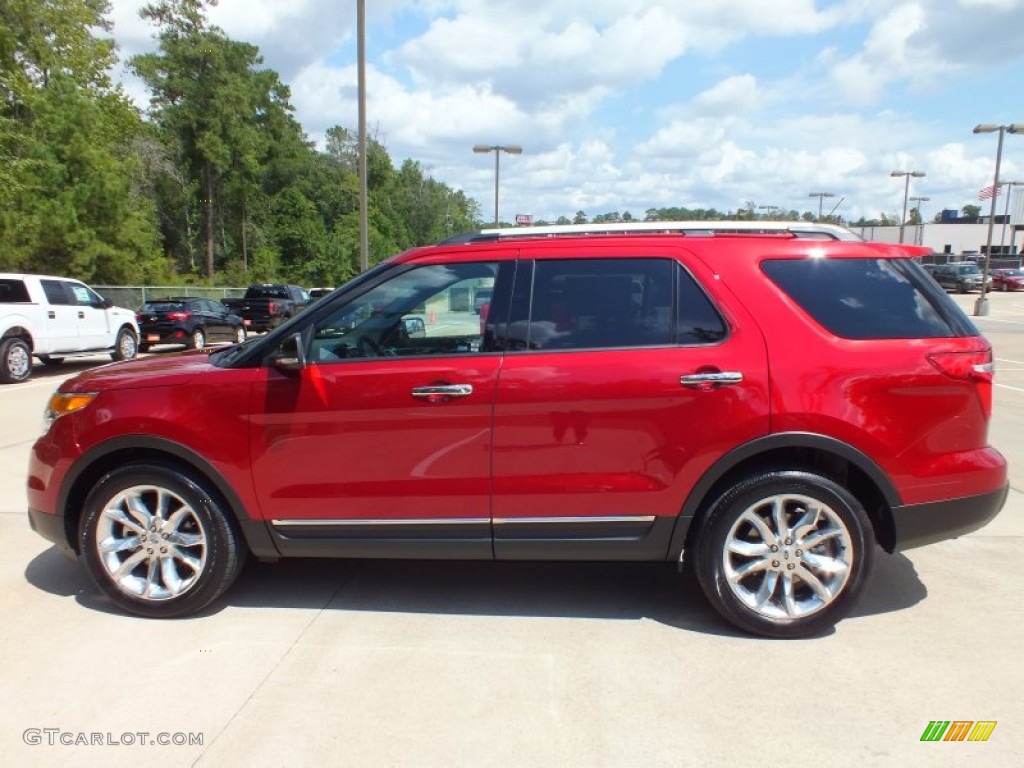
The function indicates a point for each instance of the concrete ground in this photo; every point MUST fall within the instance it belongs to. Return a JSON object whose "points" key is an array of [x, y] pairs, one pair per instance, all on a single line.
{"points": [[480, 664]]}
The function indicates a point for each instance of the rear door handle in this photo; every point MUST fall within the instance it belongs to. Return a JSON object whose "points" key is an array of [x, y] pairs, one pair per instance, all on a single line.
{"points": [[710, 380], [81, 315], [441, 392]]}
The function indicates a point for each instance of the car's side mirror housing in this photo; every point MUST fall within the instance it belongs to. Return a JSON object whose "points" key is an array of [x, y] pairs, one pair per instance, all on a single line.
{"points": [[291, 355], [415, 328]]}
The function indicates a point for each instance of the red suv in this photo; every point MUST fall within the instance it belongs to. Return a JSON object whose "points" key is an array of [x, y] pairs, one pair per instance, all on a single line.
{"points": [[770, 400]]}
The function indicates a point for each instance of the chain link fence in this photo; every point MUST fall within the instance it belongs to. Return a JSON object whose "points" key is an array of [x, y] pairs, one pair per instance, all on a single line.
{"points": [[134, 296]]}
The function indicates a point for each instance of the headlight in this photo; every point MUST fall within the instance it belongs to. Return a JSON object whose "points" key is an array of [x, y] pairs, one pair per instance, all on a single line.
{"points": [[63, 403]]}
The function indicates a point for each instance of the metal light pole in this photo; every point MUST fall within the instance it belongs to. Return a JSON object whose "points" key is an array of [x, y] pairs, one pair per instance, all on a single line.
{"points": [[981, 305], [906, 191], [497, 149], [364, 197], [919, 233], [1009, 185], [821, 196]]}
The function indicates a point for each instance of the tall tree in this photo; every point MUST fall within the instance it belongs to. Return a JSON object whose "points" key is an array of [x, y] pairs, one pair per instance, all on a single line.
{"points": [[66, 138]]}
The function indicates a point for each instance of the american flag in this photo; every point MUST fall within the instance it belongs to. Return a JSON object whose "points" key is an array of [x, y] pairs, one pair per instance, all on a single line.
{"points": [[990, 191]]}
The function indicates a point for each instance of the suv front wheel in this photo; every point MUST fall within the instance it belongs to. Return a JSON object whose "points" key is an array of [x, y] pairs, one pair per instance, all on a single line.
{"points": [[785, 554], [157, 542]]}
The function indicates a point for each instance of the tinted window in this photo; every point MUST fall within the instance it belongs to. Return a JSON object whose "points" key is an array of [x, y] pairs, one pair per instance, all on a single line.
{"points": [[162, 306], [55, 292], [870, 298], [600, 303], [13, 291], [697, 320]]}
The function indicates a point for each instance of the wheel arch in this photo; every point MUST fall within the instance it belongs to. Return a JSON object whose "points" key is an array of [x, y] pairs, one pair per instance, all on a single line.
{"points": [[143, 449], [810, 452], [20, 332]]}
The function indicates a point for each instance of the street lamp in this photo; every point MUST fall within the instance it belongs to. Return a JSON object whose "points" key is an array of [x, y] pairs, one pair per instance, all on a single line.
{"points": [[920, 219], [821, 196], [510, 149], [1006, 214], [981, 305], [906, 191], [770, 208]]}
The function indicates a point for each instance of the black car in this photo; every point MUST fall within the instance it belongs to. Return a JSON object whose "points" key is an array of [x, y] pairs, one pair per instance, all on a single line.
{"points": [[189, 320]]}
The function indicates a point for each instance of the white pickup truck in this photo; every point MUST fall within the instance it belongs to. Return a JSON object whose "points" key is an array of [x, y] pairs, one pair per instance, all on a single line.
{"points": [[53, 318]]}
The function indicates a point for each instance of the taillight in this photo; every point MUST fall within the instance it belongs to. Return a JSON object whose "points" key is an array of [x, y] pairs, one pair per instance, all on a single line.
{"points": [[179, 315], [976, 366], [271, 307]]}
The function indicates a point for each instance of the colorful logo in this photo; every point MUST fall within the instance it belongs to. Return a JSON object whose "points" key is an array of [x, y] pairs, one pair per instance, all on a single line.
{"points": [[958, 730]]}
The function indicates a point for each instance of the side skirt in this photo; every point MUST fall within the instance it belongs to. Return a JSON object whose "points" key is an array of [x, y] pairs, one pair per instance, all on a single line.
{"points": [[627, 538]]}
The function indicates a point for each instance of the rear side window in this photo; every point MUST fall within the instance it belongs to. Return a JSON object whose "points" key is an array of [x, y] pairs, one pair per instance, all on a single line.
{"points": [[871, 298], [56, 293], [601, 303], [610, 304], [13, 292]]}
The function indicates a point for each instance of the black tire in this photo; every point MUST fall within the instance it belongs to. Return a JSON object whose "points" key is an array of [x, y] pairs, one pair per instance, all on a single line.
{"points": [[184, 558], [15, 361], [961, 288], [735, 561], [197, 340], [143, 347], [51, 361], [126, 347]]}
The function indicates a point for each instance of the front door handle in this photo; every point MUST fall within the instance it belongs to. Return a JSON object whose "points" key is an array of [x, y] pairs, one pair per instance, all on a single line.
{"points": [[437, 393], [710, 379], [81, 315]]}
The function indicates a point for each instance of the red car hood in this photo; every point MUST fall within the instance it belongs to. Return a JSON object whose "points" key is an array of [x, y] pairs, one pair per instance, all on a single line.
{"points": [[165, 370]]}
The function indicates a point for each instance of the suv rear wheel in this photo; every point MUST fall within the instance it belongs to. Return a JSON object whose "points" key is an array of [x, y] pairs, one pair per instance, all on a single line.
{"points": [[785, 554], [156, 541], [198, 339]]}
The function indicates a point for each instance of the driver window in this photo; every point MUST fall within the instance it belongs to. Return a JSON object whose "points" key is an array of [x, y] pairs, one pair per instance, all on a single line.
{"points": [[427, 310]]}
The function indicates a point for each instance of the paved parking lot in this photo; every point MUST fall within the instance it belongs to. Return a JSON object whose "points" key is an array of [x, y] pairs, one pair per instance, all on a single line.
{"points": [[477, 664]]}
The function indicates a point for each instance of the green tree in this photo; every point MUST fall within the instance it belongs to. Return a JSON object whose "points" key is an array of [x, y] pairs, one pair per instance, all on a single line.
{"points": [[67, 137]]}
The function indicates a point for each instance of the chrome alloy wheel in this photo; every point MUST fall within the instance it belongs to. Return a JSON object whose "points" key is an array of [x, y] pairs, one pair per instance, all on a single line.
{"points": [[151, 543], [19, 361], [788, 556]]}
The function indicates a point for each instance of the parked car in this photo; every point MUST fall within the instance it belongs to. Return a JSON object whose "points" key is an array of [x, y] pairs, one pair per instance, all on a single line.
{"points": [[54, 318], [1008, 279], [315, 294], [190, 320], [267, 305], [767, 406], [960, 277]]}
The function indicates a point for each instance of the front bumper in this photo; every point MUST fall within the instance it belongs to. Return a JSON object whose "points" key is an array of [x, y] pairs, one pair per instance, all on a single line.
{"points": [[51, 528], [919, 524]]}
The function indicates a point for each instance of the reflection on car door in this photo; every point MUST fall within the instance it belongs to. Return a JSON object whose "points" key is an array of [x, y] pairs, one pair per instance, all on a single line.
{"points": [[597, 435], [368, 452]]}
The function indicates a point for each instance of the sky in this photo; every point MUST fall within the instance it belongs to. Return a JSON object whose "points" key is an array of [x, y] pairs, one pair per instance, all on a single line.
{"points": [[636, 104]]}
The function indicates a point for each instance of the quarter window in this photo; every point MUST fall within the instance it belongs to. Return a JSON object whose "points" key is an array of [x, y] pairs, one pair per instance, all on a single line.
{"points": [[870, 298]]}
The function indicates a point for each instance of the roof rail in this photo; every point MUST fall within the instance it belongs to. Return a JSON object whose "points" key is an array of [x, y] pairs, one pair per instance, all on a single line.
{"points": [[801, 229]]}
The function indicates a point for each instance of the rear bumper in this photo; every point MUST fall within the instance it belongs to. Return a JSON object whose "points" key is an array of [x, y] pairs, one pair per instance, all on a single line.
{"points": [[919, 524]]}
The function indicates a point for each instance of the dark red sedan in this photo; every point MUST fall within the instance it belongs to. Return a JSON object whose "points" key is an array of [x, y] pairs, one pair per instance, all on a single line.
{"points": [[1008, 279]]}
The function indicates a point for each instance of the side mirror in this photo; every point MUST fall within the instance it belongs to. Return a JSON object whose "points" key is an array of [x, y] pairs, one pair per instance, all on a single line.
{"points": [[415, 328], [291, 355]]}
